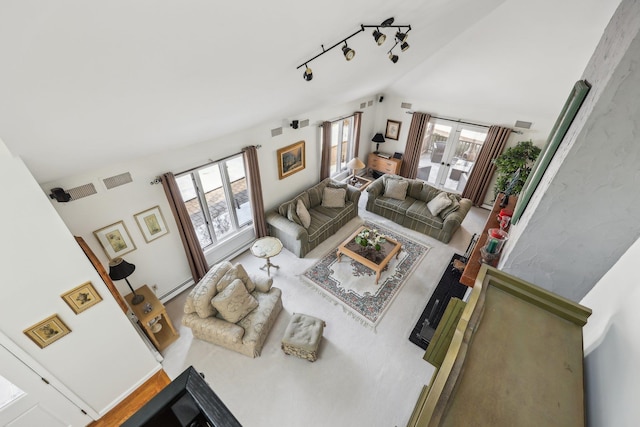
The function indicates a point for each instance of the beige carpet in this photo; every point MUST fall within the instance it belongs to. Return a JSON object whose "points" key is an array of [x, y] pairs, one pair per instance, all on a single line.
{"points": [[362, 377]]}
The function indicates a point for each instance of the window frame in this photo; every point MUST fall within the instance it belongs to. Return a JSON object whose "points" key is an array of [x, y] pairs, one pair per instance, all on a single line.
{"points": [[341, 168], [236, 228]]}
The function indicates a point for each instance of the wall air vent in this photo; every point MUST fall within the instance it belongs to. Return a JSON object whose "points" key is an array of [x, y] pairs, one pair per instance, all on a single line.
{"points": [[304, 123], [117, 180], [276, 131], [523, 125], [405, 105], [82, 191], [369, 104], [363, 105]]}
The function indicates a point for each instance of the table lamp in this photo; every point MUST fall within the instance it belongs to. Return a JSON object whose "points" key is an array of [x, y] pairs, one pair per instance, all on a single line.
{"points": [[378, 139], [355, 164], [120, 269]]}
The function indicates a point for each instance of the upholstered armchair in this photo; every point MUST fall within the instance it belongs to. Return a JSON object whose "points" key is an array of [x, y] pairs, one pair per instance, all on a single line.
{"points": [[230, 308]]}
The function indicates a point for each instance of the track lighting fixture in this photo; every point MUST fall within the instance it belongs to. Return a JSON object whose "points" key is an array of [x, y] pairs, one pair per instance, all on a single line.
{"points": [[348, 52], [308, 74], [378, 36]]}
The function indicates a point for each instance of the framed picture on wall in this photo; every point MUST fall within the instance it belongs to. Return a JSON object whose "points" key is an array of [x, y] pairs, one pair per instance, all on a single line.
{"points": [[291, 159], [82, 297], [151, 223], [393, 129], [47, 331], [115, 240]]}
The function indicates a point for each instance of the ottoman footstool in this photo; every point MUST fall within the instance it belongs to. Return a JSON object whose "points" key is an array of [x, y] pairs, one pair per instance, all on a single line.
{"points": [[302, 336]]}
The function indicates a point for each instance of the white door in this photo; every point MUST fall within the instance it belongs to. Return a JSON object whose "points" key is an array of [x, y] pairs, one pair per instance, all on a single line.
{"points": [[30, 401], [448, 154]]}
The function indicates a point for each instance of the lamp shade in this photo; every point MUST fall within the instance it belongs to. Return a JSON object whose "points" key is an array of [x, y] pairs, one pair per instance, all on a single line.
{"points": [[355, 164], [120, 269], [378, 138]]}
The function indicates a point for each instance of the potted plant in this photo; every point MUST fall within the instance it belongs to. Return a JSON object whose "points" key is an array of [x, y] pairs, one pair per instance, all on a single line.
{"points": [[522, 156]]}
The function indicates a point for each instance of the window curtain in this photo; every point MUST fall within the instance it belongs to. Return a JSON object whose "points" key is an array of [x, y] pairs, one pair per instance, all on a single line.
{"points": [[411, 158], [357, 120], [255, 190], [480, 178], [325, 157], [195, 255]]}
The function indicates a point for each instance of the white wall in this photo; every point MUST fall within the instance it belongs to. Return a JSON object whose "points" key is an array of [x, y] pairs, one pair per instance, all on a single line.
{"points": [[612, 345], [583, 215], [162, 262], [103, 358]]}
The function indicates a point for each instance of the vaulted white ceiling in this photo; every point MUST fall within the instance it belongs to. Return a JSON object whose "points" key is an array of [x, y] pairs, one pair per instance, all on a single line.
{"points": [[83, 84]]}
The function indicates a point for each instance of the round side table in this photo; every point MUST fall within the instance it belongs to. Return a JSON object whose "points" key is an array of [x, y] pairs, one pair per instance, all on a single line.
{"points": [[267, 247]]}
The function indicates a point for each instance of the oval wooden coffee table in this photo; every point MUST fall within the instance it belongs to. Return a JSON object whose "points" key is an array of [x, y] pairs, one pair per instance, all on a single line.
{"points": [[375, 260]]}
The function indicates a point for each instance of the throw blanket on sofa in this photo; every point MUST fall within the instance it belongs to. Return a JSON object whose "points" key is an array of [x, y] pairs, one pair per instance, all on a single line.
{"points": [[417, 205]]}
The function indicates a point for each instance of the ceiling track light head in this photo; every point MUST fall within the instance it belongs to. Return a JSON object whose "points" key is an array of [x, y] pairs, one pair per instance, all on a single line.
{"points": [[348, 52], [404, 46], [379, 37], [401, 37], [393, 58], [308, 74]]}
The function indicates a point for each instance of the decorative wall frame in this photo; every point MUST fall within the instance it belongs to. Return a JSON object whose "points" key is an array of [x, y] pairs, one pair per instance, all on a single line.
{"points": [[559, 130], [151, 223], [291, 159], [115, 240], [393, 129], [81, 297], [47, 331]]}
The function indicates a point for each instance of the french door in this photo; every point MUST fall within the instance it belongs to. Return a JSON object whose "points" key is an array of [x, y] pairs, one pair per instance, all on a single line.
{"points": [[448, 154]]}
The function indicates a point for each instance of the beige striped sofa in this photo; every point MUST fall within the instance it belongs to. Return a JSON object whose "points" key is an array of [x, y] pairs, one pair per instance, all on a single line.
{"points": [[410, 208]]}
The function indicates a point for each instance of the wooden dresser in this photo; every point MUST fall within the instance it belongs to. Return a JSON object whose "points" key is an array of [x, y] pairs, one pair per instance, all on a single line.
{"points": [[380, 164], [515, 359]]}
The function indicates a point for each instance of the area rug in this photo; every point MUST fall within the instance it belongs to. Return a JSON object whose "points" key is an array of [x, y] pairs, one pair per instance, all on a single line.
{"points": [[352, 285]]}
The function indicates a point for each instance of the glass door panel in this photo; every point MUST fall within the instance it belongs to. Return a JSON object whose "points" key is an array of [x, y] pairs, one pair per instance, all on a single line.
{"points": [[449, 151]]}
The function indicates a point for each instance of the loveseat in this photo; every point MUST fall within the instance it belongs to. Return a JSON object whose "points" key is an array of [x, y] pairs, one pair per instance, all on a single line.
{"points": [[417, 205], [229, 308], [311, 217]]}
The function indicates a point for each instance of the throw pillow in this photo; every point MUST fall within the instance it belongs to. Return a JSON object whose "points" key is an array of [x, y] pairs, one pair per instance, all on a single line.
{"points": [[263, 283], [438, 203], [333, 197], [303, 214], [396, 189], [454, 206], [292, 214], [236, 272], [234, 302], [206, 289]]}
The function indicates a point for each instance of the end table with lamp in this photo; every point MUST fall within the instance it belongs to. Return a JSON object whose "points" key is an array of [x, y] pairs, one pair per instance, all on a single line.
{"points": [[150, 312]]}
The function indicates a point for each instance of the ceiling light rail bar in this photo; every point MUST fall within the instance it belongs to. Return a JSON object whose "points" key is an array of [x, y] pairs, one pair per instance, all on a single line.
{"points": [[379, 37]]}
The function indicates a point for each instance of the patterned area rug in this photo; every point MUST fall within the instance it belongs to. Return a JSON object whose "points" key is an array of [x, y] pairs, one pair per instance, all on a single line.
{"points": [[352, 285]]}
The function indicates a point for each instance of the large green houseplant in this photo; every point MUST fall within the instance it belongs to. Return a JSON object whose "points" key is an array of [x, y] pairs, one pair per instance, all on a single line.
{"points": [[522, 156]]}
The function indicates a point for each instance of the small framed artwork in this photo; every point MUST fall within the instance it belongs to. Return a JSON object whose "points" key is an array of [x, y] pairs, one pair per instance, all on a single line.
{"points": [[151, 223], [47, 331], [81, 297], [393, 129], [115, 240], [291, 159]]}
